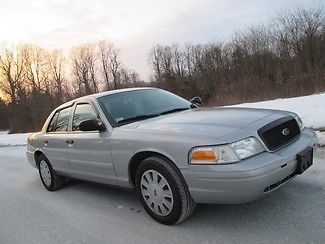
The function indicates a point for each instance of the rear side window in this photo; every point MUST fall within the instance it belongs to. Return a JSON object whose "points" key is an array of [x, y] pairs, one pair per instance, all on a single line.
{"points": [[51, 127], [82, 113], [62, 120]]}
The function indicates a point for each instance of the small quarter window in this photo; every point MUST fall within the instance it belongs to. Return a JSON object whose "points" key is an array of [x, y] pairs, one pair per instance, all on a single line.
{"points": [[82, 113], [51, 127]]}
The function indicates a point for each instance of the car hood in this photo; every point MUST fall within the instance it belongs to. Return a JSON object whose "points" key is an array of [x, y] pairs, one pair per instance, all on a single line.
{"points": [[214, 122]]}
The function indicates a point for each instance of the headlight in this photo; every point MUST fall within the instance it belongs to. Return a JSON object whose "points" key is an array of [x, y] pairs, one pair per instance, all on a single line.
{"points": [[247, 147], [229, 153], [299, 121], [213, 155]]}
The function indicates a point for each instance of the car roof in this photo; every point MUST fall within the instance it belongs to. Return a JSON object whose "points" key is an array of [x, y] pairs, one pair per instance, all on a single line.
{"points": [[102, 94], [105, 93]]}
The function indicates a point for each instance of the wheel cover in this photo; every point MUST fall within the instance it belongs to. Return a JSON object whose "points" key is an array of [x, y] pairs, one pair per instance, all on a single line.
{"points": [[156, 192], [45, 173]]}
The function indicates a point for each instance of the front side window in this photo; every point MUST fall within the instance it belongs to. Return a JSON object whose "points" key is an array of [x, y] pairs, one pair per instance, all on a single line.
{"points": [[82, 113], [62, 120], [128, 107]]}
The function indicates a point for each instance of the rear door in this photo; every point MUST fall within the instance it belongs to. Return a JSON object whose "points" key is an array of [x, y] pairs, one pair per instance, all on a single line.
{"points": [[54, 140], [89, 152]]}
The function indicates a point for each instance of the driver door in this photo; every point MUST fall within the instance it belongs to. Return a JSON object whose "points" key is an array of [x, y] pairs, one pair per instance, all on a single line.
{"points": [[89, 151]]}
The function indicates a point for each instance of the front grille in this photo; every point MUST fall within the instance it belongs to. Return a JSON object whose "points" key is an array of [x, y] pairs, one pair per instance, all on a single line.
{"points": [[279, 132]]}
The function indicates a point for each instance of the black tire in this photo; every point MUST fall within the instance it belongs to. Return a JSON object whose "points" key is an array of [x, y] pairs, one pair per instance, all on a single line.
{"points": [[56, 181], [183, 204]]}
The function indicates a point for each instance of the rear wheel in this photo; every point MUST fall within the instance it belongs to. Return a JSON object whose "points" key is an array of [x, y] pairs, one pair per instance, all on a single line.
{"points": [[162, 191], [50, 179]]}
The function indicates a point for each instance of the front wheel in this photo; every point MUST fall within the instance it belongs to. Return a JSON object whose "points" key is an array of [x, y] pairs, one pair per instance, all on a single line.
{"points": [[50, 179], [163, 192]]}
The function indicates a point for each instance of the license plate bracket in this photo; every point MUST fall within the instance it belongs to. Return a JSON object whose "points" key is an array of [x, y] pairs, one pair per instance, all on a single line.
{"points": [[305, 160]]}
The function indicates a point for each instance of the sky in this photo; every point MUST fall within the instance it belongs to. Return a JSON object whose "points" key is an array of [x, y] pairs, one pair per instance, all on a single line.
{"points": [[134, 26]]}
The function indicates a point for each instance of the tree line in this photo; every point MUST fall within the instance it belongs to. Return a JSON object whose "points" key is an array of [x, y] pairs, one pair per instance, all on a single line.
{"points": [[35, 80], [283, 59]]}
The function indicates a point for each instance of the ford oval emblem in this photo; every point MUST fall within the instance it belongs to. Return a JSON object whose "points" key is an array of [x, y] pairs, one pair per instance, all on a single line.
{"points": [[286, 131]]}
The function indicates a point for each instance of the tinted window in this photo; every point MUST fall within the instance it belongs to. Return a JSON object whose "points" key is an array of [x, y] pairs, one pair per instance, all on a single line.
{"points": [[63, 120], [52, 124], [145, 102], [83, 112]]}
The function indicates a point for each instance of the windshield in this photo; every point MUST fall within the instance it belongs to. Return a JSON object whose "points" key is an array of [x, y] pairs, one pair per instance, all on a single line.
{"points": [[127, 107]]}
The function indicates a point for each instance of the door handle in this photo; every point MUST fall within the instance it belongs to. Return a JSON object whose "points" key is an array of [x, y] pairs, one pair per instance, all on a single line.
{"points": [[69, 141], [45, 141]]}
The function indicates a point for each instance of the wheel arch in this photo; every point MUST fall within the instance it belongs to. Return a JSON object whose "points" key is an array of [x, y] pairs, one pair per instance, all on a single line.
{"points": [[37, 154], [137, 158]]}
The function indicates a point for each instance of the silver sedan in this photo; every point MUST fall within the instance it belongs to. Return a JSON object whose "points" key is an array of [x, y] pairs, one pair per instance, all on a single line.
{"points": [[172, 152]]}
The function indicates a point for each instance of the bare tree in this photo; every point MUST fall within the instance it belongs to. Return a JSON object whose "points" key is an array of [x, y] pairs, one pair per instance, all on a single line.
{"points": [[56, 63], [12, 73], [36, 69], [105, 52], [299, 33], [114, 66], [129, 78], [83, 68], [154, 59]]}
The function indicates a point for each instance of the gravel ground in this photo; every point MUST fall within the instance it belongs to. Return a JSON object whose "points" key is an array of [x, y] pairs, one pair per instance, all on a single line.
{"points": [[90, 213]]}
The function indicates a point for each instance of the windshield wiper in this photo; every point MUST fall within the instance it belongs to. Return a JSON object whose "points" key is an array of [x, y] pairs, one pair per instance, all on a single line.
{"points": [[137, 118], [148, 116], [174, 110]]}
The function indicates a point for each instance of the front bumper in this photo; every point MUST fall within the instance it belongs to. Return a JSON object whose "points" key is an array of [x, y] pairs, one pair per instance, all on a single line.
{"points": [[249, 179], [31, 158]]}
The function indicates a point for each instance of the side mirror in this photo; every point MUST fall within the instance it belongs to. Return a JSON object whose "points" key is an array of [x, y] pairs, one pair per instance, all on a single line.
{"points": [[197, 101], [92, 125]]}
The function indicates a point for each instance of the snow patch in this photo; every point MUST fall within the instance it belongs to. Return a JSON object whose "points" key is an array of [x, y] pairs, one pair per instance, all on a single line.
{"points": [[311, 109], [320, 138], [19, 139]]}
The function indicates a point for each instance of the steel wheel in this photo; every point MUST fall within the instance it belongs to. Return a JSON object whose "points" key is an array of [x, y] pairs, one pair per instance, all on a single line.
{"points": [[50, 179], [45, 173], [156, 192]]}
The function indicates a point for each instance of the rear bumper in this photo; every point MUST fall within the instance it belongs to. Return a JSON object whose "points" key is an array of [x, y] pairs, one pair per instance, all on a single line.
{"points": [[247, 180]]}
